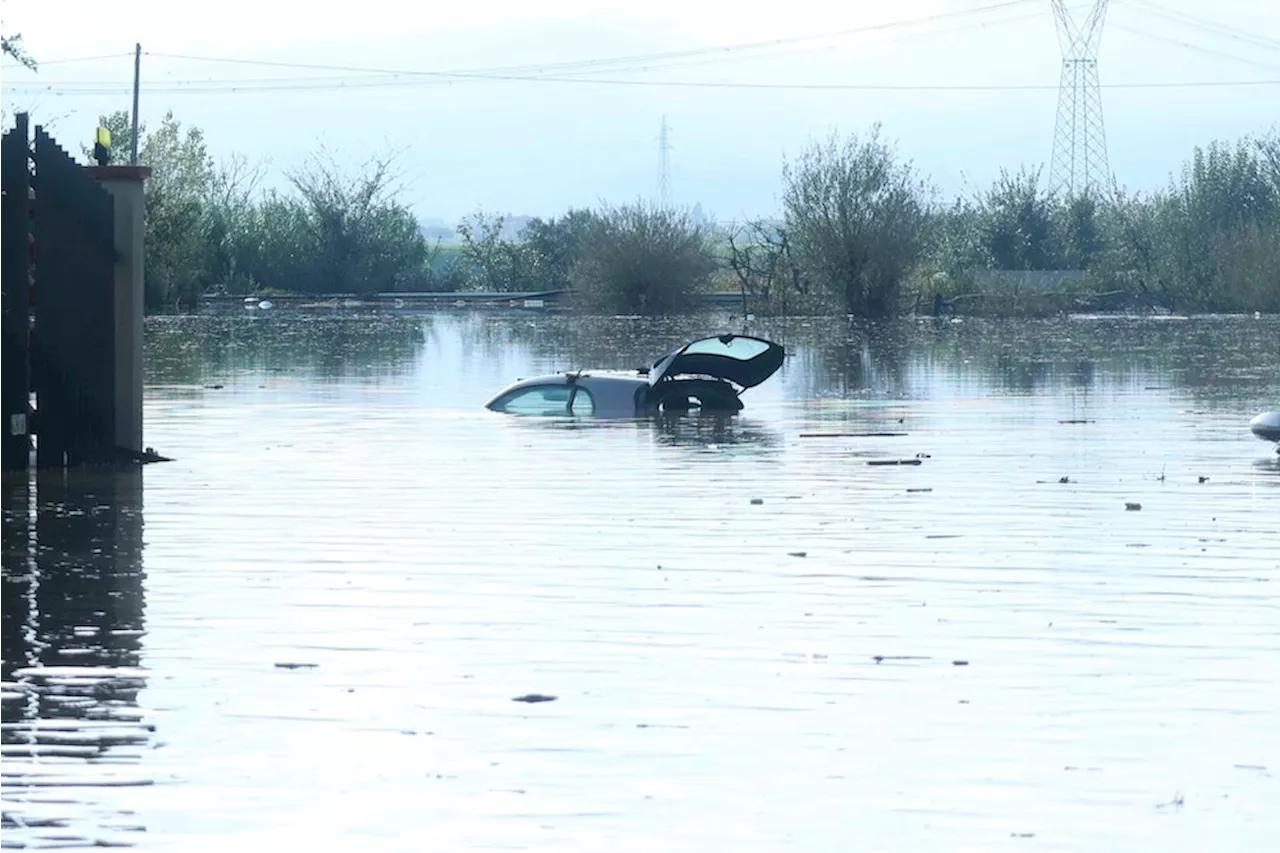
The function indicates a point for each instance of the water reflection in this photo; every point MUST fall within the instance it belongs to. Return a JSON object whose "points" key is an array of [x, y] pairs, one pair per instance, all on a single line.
{"points": [[713, 432], [73, 623], [710, 431], [214, 348], [1216, 359]]}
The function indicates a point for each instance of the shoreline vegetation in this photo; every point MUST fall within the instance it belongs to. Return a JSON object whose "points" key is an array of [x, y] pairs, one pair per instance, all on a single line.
{"points": [[859, 231]]}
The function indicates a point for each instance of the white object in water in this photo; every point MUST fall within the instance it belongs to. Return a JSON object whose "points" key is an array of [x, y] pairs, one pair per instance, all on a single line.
{"points": [[265, 304], [1266, 426]]}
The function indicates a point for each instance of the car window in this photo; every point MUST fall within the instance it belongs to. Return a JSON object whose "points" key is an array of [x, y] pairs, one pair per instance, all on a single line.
{"points": [[583, 403], [739, 348], [537, 400]]}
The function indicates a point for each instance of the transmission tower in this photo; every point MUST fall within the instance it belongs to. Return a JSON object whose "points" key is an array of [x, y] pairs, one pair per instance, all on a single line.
{"points": [[664, 166], [1079, 164]]}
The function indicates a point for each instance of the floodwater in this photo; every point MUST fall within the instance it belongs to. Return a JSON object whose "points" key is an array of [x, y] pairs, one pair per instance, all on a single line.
{"points": [[306, 632]]}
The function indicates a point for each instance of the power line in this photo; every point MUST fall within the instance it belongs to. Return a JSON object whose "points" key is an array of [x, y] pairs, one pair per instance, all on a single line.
{"points": [[735, 57], [1198, 48], [445, 77], [607, 64], [701, 84], [69, 61], [1202, 24]]}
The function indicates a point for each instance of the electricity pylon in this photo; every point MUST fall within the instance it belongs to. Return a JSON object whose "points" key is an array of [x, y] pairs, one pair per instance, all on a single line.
{"points": [[1079, 164], [664, 166]]}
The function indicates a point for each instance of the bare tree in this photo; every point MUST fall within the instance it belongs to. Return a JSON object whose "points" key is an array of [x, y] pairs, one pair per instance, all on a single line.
{"points": [[760, 257]]}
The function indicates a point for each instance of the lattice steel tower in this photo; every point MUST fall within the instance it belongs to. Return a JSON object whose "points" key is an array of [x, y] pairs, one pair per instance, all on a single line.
{"points": [[1079, 164], [664, 166]]}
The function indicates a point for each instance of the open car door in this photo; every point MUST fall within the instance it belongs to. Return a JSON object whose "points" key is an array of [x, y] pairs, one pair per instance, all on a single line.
{"points": [[739, 359]]}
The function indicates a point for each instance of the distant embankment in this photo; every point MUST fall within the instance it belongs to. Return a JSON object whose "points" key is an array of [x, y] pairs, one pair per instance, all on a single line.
{"points": [[546, 299]]}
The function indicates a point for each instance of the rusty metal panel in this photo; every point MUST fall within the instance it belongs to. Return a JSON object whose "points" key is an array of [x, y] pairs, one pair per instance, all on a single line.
{"points": [[73, 362], [15, 230]]}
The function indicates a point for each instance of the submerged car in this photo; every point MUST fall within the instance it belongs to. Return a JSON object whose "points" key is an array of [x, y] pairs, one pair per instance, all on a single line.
{"points": [[1266, 426], [707, 374]]}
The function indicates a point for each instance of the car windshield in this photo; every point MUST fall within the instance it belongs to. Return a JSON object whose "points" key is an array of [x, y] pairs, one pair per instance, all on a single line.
{"points": [[536, 400]]}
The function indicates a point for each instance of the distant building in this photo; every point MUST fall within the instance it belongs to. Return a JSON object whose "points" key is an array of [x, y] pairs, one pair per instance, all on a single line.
{"points": [[439, 232]]}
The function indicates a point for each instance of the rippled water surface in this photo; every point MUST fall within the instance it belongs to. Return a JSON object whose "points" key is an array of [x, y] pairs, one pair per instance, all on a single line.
{"points": [[306, 632]]}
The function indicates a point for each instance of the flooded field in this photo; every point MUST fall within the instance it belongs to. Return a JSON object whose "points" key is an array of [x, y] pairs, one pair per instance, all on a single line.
{"points": [[1059, 631]]}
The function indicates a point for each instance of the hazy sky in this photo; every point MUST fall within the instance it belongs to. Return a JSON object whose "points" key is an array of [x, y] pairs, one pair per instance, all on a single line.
{"points": [[503, 142]]}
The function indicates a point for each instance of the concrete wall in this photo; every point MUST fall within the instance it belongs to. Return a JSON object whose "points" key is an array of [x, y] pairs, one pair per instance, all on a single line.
{"points": [[125, 184]]}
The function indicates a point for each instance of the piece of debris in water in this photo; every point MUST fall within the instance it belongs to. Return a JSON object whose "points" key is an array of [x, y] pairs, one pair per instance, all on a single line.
{"points": [[1077, 421], [1064, 480], [1132, 506], [797, 553], [534, 697], [757, 501], [292, 665], [959, 663], [895, 462], [915, 491], [853, 434], [1204, 479]]}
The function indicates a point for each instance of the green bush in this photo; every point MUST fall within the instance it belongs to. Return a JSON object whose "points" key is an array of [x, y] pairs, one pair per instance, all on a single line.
{"points": [[857, 221], [641, 259]]}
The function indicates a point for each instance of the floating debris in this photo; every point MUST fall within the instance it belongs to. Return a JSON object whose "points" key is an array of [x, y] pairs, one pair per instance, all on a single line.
{"points": [[853, 434], [916, 461], [292, 665], [757, 501], [959, 663], [797, 553], [534, 697], [882, 658], [916, 491], [1132, 506], [1064, 480], [1204, 479], [1077, 421]]}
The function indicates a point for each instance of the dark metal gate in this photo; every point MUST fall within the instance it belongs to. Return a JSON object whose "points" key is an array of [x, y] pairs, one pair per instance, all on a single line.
{"points": [[15, 260], [59, 307], [74, 353]]}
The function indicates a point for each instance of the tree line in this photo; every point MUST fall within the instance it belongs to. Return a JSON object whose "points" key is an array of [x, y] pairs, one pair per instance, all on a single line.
{"points": [[859, 231]]}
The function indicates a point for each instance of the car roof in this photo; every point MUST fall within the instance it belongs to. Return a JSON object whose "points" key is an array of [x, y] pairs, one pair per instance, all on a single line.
{"points": [[613, 390], [585, 377]]}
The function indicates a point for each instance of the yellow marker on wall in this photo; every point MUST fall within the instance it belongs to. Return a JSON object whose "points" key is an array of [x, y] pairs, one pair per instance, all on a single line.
{"points": [[102, 146]]}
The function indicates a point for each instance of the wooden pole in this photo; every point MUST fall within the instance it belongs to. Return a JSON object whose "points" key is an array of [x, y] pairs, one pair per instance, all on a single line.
{"points": [[137, 77]]}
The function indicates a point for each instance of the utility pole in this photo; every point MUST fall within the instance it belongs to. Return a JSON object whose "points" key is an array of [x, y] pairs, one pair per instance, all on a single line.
{"points": [[664, 166], [137, 77], [1079, 164]]}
